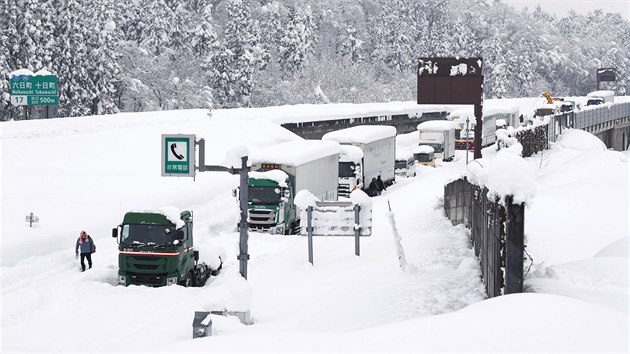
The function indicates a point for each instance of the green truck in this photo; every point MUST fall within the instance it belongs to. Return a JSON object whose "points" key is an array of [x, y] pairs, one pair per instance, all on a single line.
{"points": [[155, 248], [279, 172]]}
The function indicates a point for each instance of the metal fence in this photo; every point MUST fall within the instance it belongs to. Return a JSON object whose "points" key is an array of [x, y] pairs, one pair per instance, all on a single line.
{"points": [[496, 232], [536, 139], [600, 115]]}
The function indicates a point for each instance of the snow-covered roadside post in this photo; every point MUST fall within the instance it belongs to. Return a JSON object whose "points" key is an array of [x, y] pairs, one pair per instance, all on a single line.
{"points": [[357, 230], [233, 157], [309, 231], [402, 260]]}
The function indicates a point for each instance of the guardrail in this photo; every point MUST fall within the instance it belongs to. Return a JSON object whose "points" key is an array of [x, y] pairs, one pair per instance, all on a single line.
{"points": [[595, 120], [600, 115]]}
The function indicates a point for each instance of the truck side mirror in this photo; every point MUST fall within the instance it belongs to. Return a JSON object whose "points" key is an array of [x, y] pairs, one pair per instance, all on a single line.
{"points": [[115, 232], [287, 193], [179, 234], [234, 192]]}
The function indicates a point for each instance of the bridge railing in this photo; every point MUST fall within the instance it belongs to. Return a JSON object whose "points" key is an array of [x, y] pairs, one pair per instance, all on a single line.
{"points": [[600, 115], [536, 138]]}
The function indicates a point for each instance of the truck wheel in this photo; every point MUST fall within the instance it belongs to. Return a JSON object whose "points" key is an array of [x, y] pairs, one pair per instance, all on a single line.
{"points": [[189, 281]]}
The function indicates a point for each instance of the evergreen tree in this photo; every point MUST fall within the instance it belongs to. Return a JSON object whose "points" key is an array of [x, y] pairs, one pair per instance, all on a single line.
{"points": [[232, 66], [102, 65], [157, 19], [129, 21], [293, 56], [204, 38], [70, 60], [392, 36], [271, 25], [179, 32], [352, 46]]}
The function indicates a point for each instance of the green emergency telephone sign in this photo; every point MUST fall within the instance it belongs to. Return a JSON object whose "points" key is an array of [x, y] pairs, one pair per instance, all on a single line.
{"points": [[178, 155]]}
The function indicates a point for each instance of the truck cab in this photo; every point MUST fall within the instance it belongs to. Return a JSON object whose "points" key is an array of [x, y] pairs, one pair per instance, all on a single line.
{"points": [[424, 155], [405, 167], [350, 169], [155, 250], [270, 202]]}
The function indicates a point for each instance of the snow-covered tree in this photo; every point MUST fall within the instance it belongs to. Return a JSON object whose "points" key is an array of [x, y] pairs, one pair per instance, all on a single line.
{"points": [[392, 36], [179, 32], [204, 37], [130, 21], [70, 59], [230, 68], [271, 24], [157, 19], [351, 45], [297, 42], [102, 64]]}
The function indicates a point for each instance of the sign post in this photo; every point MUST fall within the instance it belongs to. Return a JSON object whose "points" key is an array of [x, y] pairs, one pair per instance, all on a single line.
{"points": [[178, 159], [31, 218], [453, 81]]}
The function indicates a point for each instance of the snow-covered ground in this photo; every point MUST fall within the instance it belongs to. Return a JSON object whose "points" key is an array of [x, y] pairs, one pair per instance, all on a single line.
{"points": [[85, 173]]}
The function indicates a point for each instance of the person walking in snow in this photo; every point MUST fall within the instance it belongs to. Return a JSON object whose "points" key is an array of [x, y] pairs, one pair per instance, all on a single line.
{"points": [[380, 185], [372, 190], [87, 247]]}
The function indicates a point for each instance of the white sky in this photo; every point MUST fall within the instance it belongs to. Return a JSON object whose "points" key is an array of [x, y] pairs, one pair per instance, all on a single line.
{"points": [[562, 7]]}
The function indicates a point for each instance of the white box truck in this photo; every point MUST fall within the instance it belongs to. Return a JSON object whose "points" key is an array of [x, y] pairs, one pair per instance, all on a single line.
{"points": [[279, 172], [600, 97], [378, 144], [440, 135]]}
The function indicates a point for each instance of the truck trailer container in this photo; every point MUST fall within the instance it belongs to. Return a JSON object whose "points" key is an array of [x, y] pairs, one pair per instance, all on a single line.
{"points": [[378, 147], [279, 172], [440, 135]]}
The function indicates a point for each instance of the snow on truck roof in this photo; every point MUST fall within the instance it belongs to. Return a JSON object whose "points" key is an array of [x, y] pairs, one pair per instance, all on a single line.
{"points": [[423, 149], [350, 153], [601, 93], [436, 125], [278, 176], [295, 152], [361, 134]]}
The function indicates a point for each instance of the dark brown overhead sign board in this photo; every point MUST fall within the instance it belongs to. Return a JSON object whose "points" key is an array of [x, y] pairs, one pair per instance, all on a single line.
{"points": [[606, 74], [450, 80]]}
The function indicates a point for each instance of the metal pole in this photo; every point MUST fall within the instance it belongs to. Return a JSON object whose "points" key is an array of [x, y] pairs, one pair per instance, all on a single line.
{"points": [[478, 128], [309, 232], [25, 112], [467, 138], [357, 230], [243, 256], [202, 155], [514, 247]]}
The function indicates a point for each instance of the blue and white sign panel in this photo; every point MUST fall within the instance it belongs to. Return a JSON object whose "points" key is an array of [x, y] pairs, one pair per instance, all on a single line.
{"points": [[178, 155]]}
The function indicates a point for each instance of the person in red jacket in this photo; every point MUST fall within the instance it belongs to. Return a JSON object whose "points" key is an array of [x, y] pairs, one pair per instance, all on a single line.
{"points": [[87, 247]]}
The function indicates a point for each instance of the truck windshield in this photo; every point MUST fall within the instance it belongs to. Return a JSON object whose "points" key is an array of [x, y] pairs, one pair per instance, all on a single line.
{"points": [[146, 234], [544, 112], [422, 157], [264, 195], [400, 164], [346, 169]]}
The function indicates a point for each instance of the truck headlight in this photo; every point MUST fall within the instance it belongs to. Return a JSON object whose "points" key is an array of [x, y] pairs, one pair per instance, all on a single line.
{"points": [[122, 280], [171, 281]]}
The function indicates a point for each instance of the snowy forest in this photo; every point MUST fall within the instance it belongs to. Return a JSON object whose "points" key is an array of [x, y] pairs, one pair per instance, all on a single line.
{"points": [[145, 55]]}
